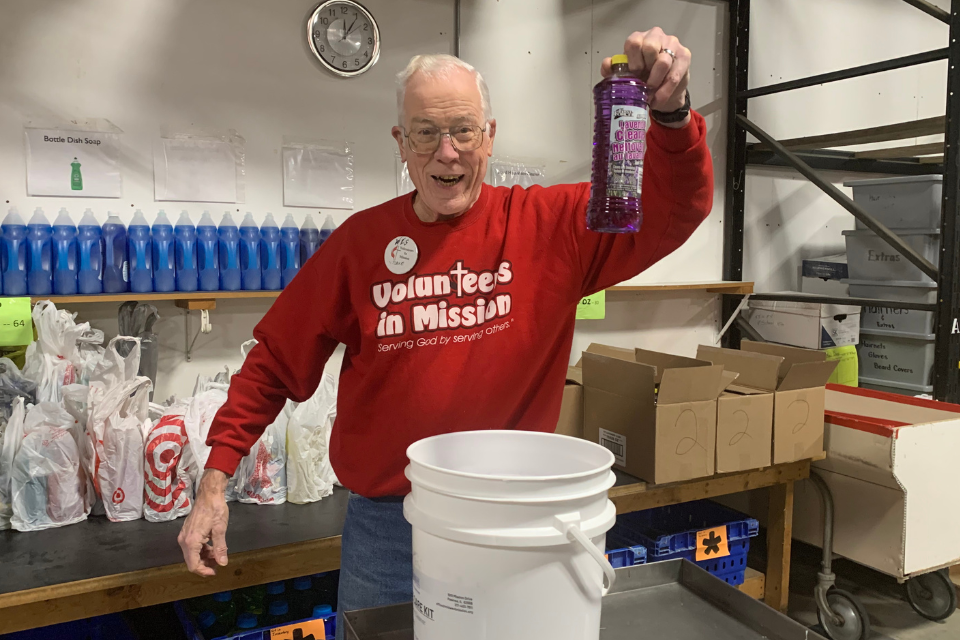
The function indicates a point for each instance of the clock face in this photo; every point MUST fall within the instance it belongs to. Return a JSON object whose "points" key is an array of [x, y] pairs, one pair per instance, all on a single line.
{"points": [[344, 37]]}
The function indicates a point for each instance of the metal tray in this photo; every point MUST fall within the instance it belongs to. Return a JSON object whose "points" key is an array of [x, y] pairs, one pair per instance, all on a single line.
{"points": [[673, 599]]}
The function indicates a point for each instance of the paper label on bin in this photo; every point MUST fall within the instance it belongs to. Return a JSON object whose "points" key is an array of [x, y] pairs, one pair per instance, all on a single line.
{"points": [[304, 629], [712, 543], [616, 443], [16, 325], [442, 611]]}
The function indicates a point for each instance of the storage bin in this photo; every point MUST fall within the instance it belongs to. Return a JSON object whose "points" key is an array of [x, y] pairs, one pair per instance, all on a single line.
{"points": [[623, 553], [192, 630], [869, 257], [889, 387], [888, 319], [903, 359], [907, 202], [671, 532]]}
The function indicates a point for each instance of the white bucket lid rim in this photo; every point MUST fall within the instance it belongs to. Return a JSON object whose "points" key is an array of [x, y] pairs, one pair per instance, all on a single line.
{"points": [[485, 476]]}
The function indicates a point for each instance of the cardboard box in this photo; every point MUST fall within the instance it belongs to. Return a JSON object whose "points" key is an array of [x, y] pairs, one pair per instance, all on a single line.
{"points": [[744, 410], [571, 408], [656, 412], [797, 378], [825, 276], [810, 325], [798, 402]]}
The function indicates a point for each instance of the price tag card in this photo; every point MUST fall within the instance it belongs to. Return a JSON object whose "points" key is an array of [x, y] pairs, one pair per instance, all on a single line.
{"points": [[16, 325], [305, 630], [592, 307], [712, 543]]}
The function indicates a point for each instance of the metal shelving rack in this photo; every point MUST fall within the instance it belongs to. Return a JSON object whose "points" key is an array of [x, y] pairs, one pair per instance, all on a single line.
{"points": [[810, 155]]}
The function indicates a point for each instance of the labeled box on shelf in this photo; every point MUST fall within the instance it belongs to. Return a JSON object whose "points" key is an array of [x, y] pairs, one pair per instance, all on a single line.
{"points": [[810, 325], [656, 412]]}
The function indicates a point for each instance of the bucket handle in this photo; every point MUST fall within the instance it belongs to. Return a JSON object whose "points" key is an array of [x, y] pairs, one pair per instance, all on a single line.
{"points": [[569, 524]]}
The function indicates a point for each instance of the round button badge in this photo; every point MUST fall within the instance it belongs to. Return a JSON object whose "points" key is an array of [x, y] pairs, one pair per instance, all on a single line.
{"points": [[401, 255]]}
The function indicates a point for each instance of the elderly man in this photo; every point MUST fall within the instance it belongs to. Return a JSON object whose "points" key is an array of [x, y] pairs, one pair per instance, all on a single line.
{"points": [[456, 305]]}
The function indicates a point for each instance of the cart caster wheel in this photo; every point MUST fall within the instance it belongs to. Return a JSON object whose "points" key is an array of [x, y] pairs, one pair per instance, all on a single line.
{"points": [[856, 623], [932, 595]]}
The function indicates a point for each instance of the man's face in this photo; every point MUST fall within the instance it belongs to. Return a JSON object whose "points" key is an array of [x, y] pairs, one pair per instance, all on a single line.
{"points": [[448, 181]]}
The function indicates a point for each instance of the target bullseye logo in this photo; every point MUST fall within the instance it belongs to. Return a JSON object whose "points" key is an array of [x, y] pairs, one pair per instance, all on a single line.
{"points": [[118, 496]]}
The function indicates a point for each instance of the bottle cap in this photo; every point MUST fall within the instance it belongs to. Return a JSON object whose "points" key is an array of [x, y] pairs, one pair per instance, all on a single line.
{"points": [[246, 621], [329, 224], [63, 219], [268, 221], [207, 619], [302, 584], [279, 608], [161, 220], [206, 220], [138, 219], [322, 610], [39, 218], [227, 220], [289, 222], [13, 217], [248, 220], [113, 218], [223, 596], [308, 223], [276, 588], [184, 219], [619, 59]]}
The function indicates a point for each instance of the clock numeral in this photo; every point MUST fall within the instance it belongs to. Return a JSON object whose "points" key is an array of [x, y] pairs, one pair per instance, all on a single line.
{"points": [[344, 64], [369, 40], [317, 34], [322, 49], [366, 54], [324, 21], [342, 9], [356, 62], [333, 11], [366, 27]]}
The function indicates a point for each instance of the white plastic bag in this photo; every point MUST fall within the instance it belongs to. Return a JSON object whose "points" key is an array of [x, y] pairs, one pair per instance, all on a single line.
{"points": [[168, 487], [261, 477], [198, 417], [310, 476], [113, 369], [53, 360], [12, 436], [118, 422], [48, 482]]}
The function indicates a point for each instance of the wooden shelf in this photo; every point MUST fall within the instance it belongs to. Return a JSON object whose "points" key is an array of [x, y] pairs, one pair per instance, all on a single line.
{"points": [[181, 298], [706, 287]]}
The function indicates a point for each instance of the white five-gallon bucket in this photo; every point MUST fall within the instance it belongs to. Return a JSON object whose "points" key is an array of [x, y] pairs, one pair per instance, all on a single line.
{"points": [[509, 529]]}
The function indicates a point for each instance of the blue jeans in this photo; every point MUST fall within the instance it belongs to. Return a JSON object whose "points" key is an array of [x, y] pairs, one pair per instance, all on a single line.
{"points": [[376, 556]]}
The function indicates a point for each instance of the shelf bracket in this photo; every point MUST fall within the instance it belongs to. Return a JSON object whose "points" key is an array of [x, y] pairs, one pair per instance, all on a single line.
{"points": [[204, 307]]}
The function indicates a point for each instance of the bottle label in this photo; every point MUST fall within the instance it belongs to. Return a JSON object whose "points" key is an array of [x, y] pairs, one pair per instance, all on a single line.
{"points": [[628, 142]]}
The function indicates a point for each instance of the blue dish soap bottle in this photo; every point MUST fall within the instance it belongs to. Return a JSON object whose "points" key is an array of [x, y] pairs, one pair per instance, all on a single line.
{"points": [[13, 254], [207, 253], [39, 255], [90, 243], [309, 239], [188, 276], [250, 254], [164, 274], [140, 254], [116, 275], [270, 254], [329, 226], [289, 250], [229, 253], [65, 259]]}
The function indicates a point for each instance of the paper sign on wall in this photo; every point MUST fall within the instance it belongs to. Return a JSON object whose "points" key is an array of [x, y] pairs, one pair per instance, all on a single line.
{"points": [[593, 307], [16, 325], [66, 162], [318, 174], [199, 166]]}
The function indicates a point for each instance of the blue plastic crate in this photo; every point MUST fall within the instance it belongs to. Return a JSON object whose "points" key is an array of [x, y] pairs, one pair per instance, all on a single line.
{"points": [[192, 630], [671, 532]]}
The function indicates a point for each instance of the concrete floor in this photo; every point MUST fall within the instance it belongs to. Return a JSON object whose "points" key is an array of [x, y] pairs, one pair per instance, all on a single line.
{"points": [[891, 616]]}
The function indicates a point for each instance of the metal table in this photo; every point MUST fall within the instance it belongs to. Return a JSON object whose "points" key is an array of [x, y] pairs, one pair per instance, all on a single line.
{"points": [[673, 599]]}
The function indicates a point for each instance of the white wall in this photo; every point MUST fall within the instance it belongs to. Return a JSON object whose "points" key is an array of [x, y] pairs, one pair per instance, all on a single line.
{"points": [[242, 64], [239, 64]]}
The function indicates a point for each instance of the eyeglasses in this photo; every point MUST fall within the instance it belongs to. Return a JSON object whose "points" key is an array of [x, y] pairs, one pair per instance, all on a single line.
{"points": [[467, 137]]}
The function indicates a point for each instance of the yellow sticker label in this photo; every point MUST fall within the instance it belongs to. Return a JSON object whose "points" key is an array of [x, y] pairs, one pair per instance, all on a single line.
{"points": [[592, 307], [712, 543], [306, 630], [16, 325], [847, 371]]}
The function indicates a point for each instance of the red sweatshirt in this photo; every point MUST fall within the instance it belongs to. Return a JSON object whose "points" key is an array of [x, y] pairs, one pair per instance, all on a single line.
{"points": [[475, 335]]}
